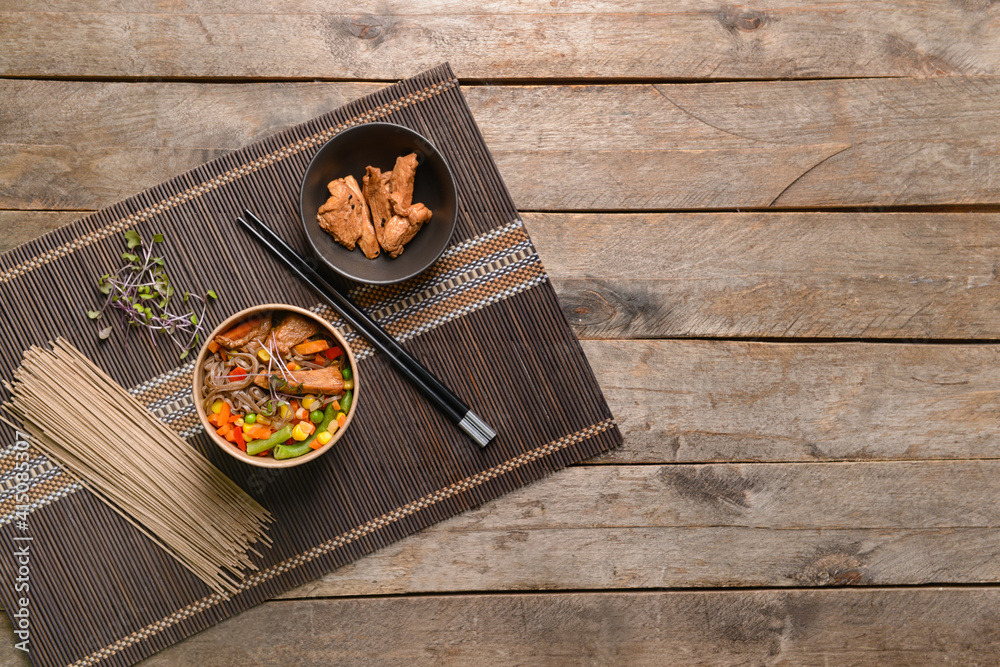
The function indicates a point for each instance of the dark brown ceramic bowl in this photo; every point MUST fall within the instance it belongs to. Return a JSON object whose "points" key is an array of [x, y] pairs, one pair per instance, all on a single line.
{"points": [[378, 145]]}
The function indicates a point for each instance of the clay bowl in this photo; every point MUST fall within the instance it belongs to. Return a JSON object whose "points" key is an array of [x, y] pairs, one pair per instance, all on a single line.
{"points": [[230, 448]]}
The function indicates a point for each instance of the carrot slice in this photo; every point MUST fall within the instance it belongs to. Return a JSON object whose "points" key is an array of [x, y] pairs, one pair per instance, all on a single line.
{"points": [[213, 347], [258, 432], [311, 347]]}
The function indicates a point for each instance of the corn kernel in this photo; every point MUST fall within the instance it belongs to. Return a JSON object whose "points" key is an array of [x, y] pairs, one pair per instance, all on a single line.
{"points": [[307, 402], [217, 407], [324, 437], [284, 410], [238, 422], [302, 431], [263, 355]]}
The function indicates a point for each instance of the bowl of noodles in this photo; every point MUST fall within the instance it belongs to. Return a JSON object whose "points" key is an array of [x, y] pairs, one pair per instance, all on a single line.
{"points": [[275, 386]]}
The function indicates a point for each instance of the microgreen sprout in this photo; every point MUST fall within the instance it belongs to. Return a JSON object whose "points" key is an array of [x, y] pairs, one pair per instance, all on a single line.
{"points": [[142, 294]]}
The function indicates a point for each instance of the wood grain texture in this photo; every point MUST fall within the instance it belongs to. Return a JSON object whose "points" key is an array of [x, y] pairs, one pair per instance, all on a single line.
{"points": [[17, 227], [634, 527], [10, 656], [752, 275], [697, 146], [782, 275], [705, 401], [888, 627], [537, 39]]}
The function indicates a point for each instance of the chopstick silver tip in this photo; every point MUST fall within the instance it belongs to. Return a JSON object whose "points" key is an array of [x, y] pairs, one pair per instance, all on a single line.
{"points": [[477, 429]]}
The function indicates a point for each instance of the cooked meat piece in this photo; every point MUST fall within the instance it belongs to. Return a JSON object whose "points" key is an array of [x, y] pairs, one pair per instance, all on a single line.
{"points": [[401, 181], [389, 196], [293, 330], [327, 380], [345, 216], [244, 332], [377, 194], [402, 226]]}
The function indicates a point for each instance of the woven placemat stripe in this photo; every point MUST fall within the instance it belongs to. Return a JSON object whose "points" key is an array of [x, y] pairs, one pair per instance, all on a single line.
{"points": [[350, 536]]}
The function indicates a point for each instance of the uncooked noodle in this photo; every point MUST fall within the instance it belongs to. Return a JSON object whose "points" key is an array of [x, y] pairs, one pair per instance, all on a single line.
{"points": [[102, 436]]}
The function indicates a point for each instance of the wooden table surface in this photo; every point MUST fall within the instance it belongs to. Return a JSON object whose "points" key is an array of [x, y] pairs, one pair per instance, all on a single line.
{"points": [[774, 228]]}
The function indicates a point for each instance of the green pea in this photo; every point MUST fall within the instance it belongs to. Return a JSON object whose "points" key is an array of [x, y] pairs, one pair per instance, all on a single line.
{"points": [[346, 372], [316, 416], [250, 419]]}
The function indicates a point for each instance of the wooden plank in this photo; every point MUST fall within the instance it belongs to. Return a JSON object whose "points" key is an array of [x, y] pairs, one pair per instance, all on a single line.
{"points": [[737, 145], [817, 275], [538, 39], [705, 401], [9, 655], [17, 227], [887, 627], [598, 559], [634, 527]]}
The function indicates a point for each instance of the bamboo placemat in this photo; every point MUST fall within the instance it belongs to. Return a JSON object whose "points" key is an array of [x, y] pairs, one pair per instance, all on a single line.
{"points": [[484, 318]]}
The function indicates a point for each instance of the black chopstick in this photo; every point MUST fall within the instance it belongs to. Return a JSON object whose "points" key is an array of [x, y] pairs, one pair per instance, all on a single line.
{"points": [[450, 404]]}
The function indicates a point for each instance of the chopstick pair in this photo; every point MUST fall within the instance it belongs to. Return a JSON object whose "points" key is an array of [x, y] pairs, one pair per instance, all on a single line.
{"points": [[446, 401]]}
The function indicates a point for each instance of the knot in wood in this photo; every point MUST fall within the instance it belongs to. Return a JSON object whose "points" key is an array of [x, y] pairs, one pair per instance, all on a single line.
{"points": [[744, 20], [366, 27]]}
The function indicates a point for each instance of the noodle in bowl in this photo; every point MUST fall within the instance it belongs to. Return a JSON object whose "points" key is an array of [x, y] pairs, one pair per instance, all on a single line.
{"points": [[247, 368]]}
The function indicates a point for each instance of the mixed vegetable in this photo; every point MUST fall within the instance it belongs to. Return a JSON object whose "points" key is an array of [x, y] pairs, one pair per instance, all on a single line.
{"points": [[278, 391]]}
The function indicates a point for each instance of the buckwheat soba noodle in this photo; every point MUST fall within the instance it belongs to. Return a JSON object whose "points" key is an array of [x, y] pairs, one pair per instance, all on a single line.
{"points": [[102, 436]]}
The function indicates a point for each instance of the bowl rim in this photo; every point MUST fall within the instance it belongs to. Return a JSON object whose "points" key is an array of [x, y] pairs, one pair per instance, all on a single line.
{"points": [[304, 218], [198, 395]]}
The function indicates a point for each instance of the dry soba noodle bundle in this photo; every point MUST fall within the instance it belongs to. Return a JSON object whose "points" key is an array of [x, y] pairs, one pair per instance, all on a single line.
{"points": [[103, 436]]}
